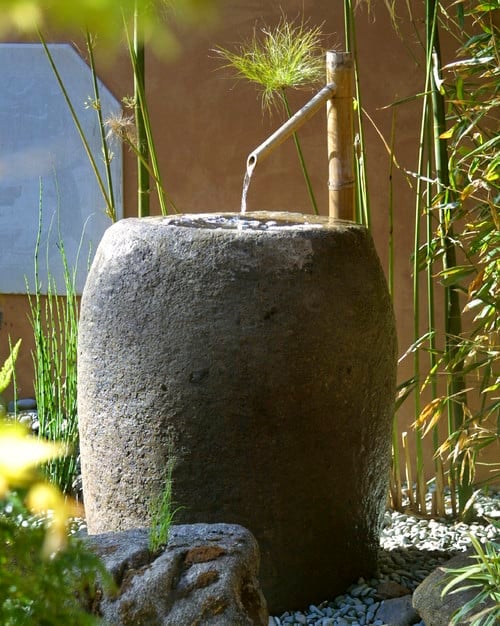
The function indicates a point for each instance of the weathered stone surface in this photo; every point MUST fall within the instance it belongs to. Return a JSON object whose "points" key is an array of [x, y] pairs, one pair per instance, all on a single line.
{"points": [[434, 609], [207, 575], [397, 612], [264, 360]]}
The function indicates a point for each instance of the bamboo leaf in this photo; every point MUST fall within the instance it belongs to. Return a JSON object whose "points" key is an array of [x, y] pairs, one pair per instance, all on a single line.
{"points": [[472, 304], [417, 345], [486, 6], [476, 283], [403, 391], [491, 176], [448, 134], [430, 415], [453, 275], [494, 387]]}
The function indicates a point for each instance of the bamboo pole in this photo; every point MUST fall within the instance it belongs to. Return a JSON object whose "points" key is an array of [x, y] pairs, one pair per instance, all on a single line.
{"points": [[290, 126], [409, 476], [143, 190], [339, 70]]}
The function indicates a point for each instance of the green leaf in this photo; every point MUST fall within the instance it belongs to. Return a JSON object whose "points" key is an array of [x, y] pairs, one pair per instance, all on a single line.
{"points": [[487, 6], [447, 134], [494, 387], [460, 14]]}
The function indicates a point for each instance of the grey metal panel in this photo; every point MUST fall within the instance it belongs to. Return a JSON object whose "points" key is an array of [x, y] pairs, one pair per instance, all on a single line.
{"points": [[44, 169]]}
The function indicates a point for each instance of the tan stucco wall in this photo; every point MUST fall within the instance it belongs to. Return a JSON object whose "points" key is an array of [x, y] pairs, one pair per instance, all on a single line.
{"points": [[206, 123]]}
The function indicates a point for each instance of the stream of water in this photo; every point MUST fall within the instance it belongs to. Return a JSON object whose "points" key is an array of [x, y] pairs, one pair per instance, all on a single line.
{"points": [[246, 185]]}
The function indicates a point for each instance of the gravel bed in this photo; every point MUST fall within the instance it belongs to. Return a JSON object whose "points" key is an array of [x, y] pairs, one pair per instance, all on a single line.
{"points": [[411, 547]]}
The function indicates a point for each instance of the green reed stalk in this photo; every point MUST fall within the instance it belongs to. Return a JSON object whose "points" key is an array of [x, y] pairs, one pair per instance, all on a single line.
{"points": [[431, 317], [144, 148], [391, 207], [102, 129], [420, 499], [110, 209], [363, 214], [422, 172], [438, 503], [396, 470], [55, 328]]}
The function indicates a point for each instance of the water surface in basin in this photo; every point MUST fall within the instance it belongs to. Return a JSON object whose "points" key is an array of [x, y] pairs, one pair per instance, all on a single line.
{"points": [[258, 220]]}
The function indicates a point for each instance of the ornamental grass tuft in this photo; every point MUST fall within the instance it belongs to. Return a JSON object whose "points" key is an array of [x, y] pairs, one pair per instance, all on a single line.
{"points": [[287, 56]]}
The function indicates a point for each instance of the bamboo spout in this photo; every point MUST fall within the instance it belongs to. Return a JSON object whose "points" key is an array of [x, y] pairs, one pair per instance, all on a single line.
{"points": [[290, 126]]}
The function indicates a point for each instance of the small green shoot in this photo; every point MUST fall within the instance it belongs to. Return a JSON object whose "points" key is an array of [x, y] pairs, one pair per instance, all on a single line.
{"points": [[161, 512]]}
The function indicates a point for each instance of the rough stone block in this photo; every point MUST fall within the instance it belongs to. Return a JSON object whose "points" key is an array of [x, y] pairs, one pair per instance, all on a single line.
{"points": [[259, 354], [207, 574]]}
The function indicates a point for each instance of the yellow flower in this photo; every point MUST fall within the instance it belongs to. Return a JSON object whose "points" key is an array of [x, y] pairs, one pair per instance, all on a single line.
{"points": [[20, 454], [46, 499]]}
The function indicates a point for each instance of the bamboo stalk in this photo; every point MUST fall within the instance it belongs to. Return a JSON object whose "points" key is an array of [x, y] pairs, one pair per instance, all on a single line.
{"points": [[409, 476], [453, 323], [143, 190], [396, 500], [438, 505], [440, 508], [416, 331], [290, 126], [396, 470], [152, 163], [341, 187], [453, 491]]}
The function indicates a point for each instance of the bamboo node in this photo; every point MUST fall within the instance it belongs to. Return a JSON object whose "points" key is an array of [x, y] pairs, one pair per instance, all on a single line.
{"points": [[337, 186]]}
